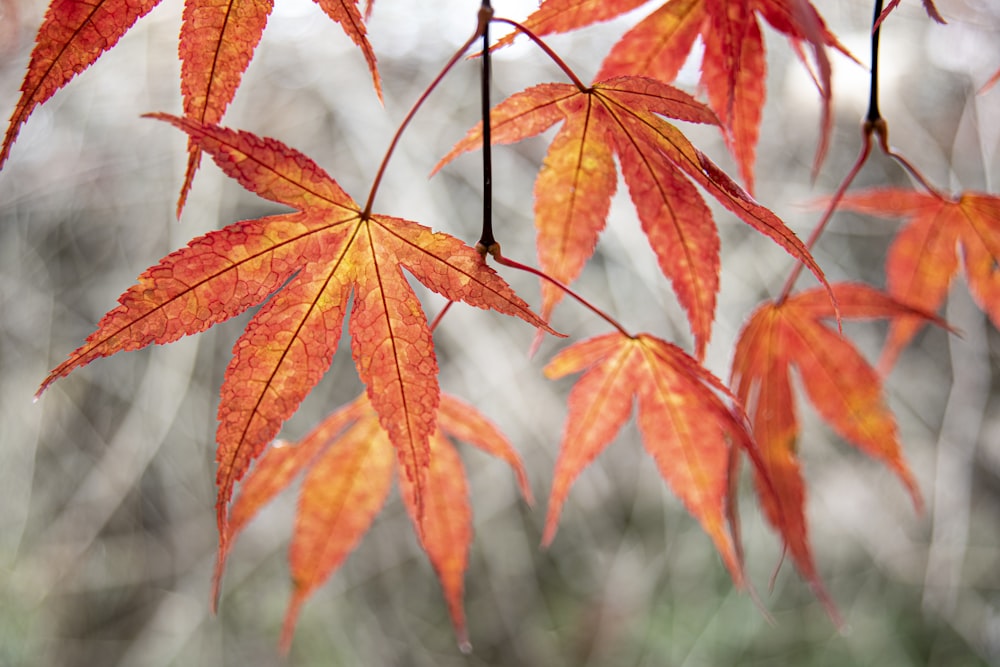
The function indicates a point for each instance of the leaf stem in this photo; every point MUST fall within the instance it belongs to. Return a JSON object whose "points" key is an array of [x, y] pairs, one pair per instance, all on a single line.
{"points": [[484, 19], [440, 316], [875, 124], [548, 51], [486, 237], [494, 250], [866, 150], [907, 165]]}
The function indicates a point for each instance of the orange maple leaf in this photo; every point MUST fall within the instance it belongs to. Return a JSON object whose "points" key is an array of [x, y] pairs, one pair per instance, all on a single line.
{"points": [[733, 69], [684, 423], [924, 256], [217, 41], [622, 116], [350, 461], [845, 390], [316, 257]]}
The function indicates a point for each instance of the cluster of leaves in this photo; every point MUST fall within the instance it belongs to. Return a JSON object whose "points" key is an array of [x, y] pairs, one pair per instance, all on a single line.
{"points": [[306, 265]]}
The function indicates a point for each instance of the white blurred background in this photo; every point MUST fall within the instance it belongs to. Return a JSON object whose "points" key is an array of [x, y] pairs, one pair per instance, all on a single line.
{"points": [[107, 530]]}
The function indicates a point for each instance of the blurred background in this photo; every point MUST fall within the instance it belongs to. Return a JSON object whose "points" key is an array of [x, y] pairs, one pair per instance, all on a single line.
{"points": [[107, 531]]}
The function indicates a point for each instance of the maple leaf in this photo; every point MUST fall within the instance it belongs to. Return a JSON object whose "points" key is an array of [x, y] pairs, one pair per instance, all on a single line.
{"points": [[924, 257], [622, 116], [349, 461], [733, 70], [317, 257], [684, 424], [217, 41], [845, 390]]}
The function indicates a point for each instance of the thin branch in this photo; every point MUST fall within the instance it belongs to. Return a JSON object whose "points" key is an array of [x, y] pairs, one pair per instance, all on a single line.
{"points": [[866, 150], [494, 250], [874, 116], [440, 316], [873, 124], [486, 238], [912, 170], [873, 120], [548, 51]]}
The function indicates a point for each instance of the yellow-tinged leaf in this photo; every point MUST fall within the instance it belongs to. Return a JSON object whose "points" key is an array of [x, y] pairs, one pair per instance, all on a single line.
{"points": [[342, 492], [658, 45], [463, 422], [350, 460], [924, 257], [734, 72], [684, 423], [73, 35], [444, 525], [733, 68], [217, 41], [599, 405], [572, 198], [845, 390], [847, 393], [318, 258], [623, 116], [555, 16], [275, 470]]}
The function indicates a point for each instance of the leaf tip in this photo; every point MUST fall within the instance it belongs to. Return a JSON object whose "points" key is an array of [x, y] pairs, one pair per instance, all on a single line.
{"points": [[829, 606], [194, 160], [159, 115], [46, 383], [536, 342], [906, 475], [529, 497], [291, 618], [220, 566], [5, 150], [551, 526], [547, 538], [20, 117]]}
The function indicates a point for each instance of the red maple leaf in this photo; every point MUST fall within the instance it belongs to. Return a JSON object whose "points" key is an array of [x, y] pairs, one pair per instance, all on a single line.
{"points": [[733, 69], [349, 464], [845, 390], [314, 259], [217, 41], [924, 257], [685, 425], [622, 116]]}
